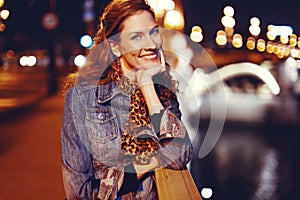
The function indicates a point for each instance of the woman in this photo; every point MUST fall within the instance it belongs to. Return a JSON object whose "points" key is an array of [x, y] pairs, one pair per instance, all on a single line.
{"points": [[122, 118]]}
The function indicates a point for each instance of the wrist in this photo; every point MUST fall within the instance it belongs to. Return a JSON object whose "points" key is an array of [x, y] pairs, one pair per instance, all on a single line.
{"points": [[153, 103], [144, 81]]}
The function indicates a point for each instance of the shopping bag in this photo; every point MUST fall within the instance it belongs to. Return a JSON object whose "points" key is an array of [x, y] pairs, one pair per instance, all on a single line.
{"points": [[175, 185]]}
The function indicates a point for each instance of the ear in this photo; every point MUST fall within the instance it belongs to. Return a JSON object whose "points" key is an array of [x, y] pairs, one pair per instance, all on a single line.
{"points": [[115, 48]]}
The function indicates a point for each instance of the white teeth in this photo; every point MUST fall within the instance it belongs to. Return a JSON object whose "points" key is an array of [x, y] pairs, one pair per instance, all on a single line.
{"points": [[149, 57]]}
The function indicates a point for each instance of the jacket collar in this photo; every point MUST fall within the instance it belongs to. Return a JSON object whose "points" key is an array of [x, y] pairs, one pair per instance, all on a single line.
{"points": [[107, 91], [104, 92]]}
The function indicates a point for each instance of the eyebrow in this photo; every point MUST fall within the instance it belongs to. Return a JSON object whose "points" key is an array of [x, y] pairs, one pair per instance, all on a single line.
{"points": [[137, 32]]}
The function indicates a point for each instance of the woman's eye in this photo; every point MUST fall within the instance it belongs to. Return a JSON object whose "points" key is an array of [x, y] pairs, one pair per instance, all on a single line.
{"points": [[154, 31], [136, 37]]}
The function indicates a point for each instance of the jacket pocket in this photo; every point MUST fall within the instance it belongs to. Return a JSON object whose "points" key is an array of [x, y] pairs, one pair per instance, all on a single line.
{"points": [[101, 124], [103, 133]]}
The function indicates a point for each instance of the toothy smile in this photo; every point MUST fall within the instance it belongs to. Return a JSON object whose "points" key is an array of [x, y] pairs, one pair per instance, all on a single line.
{"points": [[150, 57]]}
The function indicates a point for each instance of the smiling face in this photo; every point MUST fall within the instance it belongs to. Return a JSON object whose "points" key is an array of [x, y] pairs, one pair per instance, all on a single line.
{"points": [[140, 41]]}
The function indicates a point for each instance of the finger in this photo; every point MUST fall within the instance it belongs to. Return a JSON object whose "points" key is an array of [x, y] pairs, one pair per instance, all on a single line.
{"points": [[162, 60]]}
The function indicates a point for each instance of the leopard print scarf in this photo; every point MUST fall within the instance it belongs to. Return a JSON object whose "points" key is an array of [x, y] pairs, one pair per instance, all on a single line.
{"points": [[138, 143]]}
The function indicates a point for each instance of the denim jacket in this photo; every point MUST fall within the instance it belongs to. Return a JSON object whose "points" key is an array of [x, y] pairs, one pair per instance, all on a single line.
{"points": [[94, 119]]}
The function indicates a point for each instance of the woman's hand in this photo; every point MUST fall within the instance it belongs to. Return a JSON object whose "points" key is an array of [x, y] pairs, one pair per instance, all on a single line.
{"points": [[141, 170], [144, 76], [145, 83]]}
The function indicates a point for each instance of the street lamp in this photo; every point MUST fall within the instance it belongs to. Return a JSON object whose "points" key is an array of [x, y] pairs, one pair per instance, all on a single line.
{"points": [[228, 22]]}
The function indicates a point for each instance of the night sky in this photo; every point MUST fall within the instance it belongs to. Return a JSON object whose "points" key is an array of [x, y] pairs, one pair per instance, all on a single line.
{"points": [[208, 14], [26, 15]]}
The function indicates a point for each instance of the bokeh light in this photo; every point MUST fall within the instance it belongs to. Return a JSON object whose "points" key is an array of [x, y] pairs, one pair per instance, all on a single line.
{"points": [[237, 41], [27, 61], [206, 192], [1, 3], [79, 60], [86, 41], [228, 11], [250, 43], [228, 21], [261, 45], [196, 34], [4, 14], [173, 20]]}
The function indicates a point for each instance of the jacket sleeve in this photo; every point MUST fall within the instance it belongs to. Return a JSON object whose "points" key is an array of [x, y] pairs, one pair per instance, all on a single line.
{"points": [[175, 145], [76, 159]]}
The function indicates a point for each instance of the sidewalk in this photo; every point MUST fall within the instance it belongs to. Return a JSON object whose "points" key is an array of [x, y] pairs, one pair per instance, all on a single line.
{"points": [[30, 151]]}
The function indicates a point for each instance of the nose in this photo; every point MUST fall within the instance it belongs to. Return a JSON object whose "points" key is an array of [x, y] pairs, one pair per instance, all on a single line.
{"points": [[150, 43]]}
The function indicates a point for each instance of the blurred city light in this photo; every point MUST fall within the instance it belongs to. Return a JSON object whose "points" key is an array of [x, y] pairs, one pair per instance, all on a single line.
{"points": [[284, 39], [10, 54], [276, 48], [4, 14], [228, 21], [1, 3], [158, 11], [86, 41], [237, 41], [206, 193], [165, 4], [295, 53], [251, 43], [2, 27], [280, 30], [271, 35], [88, 13], [79, 60], [228, 11], [254, 30], [261, 45], [196, 34], [270, 47], [221, 38], [254, 27], [27, 61], [173, 20], [255, 21], [293, 40]]}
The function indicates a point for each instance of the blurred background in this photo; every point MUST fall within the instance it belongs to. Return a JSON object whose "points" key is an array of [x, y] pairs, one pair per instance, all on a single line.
{"points": [[238, 67]]}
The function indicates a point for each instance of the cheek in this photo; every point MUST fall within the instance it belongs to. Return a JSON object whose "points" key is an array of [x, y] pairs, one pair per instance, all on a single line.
{"points": [[158, 41], [131, 55], [130, 48], [131, 59]]}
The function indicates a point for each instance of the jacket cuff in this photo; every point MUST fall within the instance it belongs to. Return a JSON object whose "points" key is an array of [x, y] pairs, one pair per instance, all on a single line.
{"points": [[171, 126]]}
